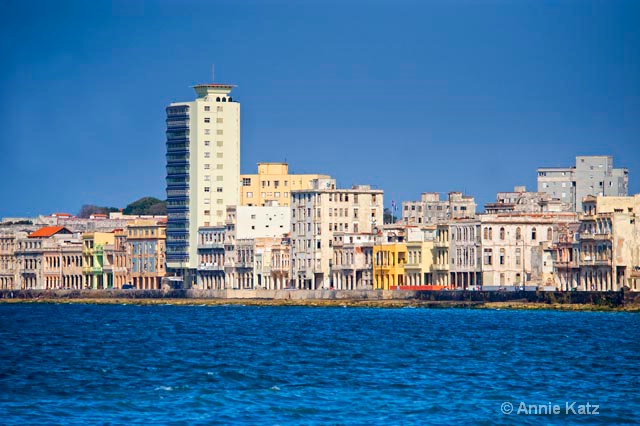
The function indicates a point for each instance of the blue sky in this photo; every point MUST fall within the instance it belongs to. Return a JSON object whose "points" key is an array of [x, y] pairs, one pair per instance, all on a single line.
{"points": [[407, 96]]}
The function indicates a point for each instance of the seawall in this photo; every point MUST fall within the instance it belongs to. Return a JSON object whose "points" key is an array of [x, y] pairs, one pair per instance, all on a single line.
{"points": [[455, 298]]}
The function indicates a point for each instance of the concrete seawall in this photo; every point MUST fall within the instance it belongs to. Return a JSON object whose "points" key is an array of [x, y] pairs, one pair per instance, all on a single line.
{"points": [[610, 299]]}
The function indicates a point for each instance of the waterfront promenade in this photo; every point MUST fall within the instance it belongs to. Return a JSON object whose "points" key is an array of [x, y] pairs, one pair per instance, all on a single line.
{"points": [[619, 300]]}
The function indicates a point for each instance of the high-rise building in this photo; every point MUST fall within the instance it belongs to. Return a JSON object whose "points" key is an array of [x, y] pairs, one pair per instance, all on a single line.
{"points": [[203, 171], [592, 175]]}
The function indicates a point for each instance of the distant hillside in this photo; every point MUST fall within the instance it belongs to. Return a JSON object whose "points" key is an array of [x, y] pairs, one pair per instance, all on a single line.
{"points": [[143, 206], [147, 206]]}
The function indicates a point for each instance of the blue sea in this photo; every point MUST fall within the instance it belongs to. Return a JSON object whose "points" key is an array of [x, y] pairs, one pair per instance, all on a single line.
{"points": [[127, 364]]}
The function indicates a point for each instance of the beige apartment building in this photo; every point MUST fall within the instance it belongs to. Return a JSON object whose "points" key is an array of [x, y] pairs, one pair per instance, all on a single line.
{"points": [[146, 249], [609, 243], [431, 210], [273, 185], [420, 253], [318, 213], [441, 256], [508, 241], [352, 266], [465, 254]]}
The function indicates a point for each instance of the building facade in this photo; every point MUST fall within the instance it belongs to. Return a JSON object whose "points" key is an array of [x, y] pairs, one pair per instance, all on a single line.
{"points": [[352, 266], [316, 214], [465, 254], [507, 244], [592, 175], [273, 185], [146, 249], [431, 210], [203, 171]]}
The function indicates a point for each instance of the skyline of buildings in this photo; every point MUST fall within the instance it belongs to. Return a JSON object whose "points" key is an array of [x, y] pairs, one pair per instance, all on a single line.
{"points": [[276, 230]]}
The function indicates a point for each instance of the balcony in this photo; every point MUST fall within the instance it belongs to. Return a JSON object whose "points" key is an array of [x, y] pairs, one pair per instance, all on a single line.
{"points": [[599, 236], [440, 244], [210, 267], [441, 267], [204, 246]]}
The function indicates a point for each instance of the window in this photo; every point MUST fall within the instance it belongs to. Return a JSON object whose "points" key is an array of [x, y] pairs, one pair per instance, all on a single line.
{"points": [[219, 166], [502, 256], [518, 233], [518, 254], [207, 178], [207, 108], [219, 155], [207, 189], [219, 189], [549, 234], [502, 233], [249, 194], [207, 155], [219, 109], [207, 212], [207, 143], [207, 120], [219, 143], [488, 256], [218, 120], [219, 178], [277, 195], [219, 132], [207, 166], [286, 194], [246, 181], [207, 131], [533, 234]]}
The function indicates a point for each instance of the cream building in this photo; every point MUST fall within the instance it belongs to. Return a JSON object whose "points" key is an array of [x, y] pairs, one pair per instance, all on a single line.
{"points": [[420, 253], [203, 171], [441, 256], [211, 257], [146, 252], [609, 241], [465, 254], [273, 185], [352, 266], [316, 214], [507, 244]]}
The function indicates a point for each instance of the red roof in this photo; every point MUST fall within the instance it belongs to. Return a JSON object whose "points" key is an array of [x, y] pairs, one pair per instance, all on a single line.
{"points": [[49, 231], [61, 215]]}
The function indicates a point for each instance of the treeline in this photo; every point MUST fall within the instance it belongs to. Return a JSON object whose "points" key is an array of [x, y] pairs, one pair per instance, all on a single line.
{"points": [[143, 206]]}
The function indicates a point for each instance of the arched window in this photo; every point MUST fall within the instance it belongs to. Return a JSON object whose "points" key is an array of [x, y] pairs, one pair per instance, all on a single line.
{"points": [[518, 233], [486, 233], [490, 233], [549, 233], [518, 254], [533, 234], [224, 99], [218, 99], [502, 233], [502, 256]]}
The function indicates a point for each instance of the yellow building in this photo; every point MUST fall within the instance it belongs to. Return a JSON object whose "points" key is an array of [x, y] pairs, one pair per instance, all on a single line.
{"points": [[93, 259], [272, 183], [388, 268]]}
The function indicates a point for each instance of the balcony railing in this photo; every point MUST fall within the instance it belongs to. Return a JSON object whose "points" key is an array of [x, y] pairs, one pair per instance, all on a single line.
{"points": [[210, 267]]}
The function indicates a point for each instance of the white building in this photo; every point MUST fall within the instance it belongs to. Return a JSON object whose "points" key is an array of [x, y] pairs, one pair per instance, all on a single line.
{"points": [[262, 222], [319, 212], [203, 171]]}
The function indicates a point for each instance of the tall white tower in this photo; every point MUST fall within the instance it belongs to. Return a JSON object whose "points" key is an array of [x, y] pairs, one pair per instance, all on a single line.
{"points": [[203, 171]]}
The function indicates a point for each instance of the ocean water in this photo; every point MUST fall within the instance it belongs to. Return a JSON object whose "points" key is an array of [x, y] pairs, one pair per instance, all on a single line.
{"points": [[89, 364]]}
